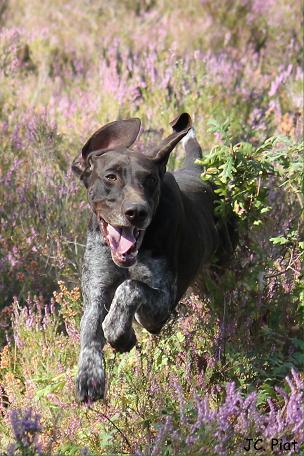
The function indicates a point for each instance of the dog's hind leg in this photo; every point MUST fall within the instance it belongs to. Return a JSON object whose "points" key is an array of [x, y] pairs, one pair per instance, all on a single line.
{"points": [[193, 151]]}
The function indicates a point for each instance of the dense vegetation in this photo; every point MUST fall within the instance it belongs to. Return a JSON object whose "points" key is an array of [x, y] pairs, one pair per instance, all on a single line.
{"points": [[227, 368]]}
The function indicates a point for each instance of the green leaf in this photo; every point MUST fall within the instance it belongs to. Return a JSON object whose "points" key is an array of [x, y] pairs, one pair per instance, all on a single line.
{"points": [[228, 170], [280, 240]]}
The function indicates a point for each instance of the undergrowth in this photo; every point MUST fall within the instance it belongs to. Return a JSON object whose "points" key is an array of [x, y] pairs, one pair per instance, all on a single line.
{"points": [[226, 368]]}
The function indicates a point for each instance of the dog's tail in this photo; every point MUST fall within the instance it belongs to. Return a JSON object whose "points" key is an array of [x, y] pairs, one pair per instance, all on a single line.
{"points": [[192, 148]]}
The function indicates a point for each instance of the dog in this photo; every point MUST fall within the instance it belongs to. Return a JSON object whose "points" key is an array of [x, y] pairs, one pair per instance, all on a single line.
{"points": [[149, 234]]}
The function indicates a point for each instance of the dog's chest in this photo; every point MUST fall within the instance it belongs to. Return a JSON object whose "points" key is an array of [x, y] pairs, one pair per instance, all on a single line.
{"points": [[152, 271]]}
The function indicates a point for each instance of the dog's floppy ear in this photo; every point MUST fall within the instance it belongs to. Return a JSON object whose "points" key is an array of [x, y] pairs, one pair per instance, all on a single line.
{"points": [[115, 135], [78, 165], [181, 125]]}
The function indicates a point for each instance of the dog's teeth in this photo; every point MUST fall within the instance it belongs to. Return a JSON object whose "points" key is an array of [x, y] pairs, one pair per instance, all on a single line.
{"points": [[136, 233]]}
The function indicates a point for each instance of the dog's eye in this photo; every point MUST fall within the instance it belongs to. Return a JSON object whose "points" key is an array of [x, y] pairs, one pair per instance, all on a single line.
{"points": [[111, 177]]}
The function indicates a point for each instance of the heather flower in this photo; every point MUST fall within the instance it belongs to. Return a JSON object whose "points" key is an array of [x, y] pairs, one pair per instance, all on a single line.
{"points": [[164, 431], [279, 80], [61, 82], [219, 429], [26, 427], [9, 44]]}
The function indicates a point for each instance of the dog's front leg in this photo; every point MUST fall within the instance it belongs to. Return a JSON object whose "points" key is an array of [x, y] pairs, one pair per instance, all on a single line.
{"points": [[100, 277], [90, 381], [134, 298]]}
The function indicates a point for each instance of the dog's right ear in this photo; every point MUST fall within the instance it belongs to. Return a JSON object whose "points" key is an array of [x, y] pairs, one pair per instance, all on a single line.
{"points": [[78, 165], [120, 134]]}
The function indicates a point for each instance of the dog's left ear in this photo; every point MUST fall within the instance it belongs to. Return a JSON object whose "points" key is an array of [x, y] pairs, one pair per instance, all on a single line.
{"points": [[181, 125]]}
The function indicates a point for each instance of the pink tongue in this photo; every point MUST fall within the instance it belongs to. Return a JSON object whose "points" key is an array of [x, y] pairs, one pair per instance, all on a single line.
{"points": [[121, 239]]}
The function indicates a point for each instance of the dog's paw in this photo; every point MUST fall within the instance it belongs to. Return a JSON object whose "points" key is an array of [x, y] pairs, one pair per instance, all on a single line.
{"points": [[124, 343], [119, 340], [90, 381]]}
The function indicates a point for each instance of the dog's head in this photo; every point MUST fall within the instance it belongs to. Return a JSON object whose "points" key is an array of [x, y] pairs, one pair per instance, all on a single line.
{"points": [[123, 184]]}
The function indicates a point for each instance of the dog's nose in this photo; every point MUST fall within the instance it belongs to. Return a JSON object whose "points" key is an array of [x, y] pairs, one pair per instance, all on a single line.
{"points": [[136, 213]]}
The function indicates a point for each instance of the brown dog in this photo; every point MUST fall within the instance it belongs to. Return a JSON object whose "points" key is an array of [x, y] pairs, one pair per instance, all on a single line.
{"points": [[149, 233]]}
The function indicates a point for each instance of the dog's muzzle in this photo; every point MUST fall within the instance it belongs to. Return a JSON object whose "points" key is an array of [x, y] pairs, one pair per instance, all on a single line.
{"points": [[124, 242]]}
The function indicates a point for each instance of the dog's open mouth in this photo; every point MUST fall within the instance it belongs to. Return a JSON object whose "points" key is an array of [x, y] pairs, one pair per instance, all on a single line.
{"points": [[124, 242]]}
